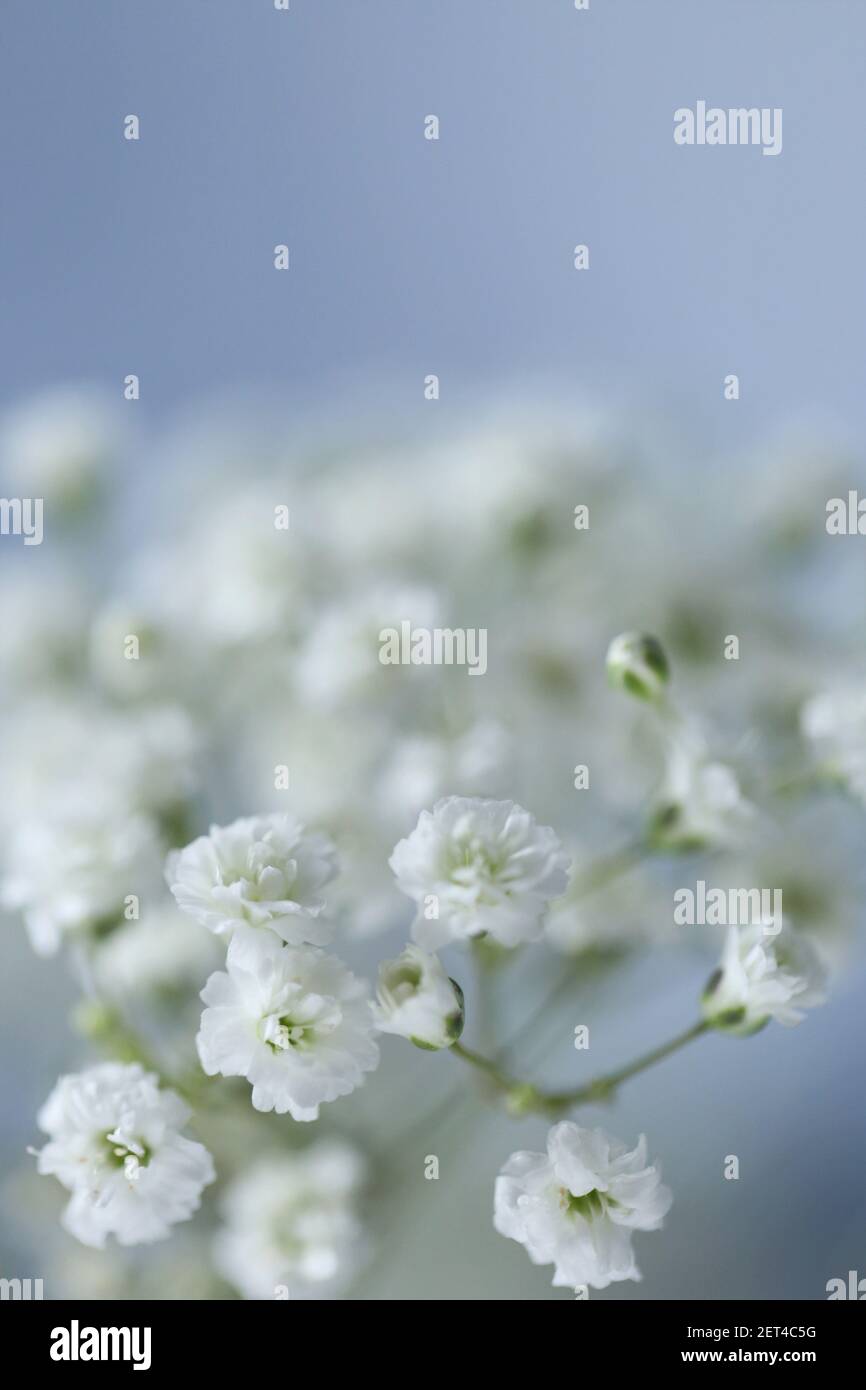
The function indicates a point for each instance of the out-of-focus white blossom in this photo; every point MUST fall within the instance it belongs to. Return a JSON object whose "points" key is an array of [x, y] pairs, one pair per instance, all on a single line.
{"points": [[115, 1144], [576, 1205], [58, 446], [164, 951], [701, 804], [340, 657], [43, 621], [417, 1000], [72, 869], [260, 871], [291, 1019], [422, 768], [762, 976], [479, 867], [291, 1227], [834, 723]]}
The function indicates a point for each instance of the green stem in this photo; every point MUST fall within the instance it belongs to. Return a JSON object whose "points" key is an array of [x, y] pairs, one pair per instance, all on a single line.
{"points": [[603, 1087], [523, 1097]]}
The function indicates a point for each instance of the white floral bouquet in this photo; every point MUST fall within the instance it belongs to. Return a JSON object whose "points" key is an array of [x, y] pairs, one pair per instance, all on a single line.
{"points": [[217, 788]]}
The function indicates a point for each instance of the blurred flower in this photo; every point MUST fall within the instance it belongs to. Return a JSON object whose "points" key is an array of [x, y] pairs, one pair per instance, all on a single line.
{"points": [[70, 870], [340, 658], [576, 1205], [478, 867], [162, 952], [263, 871], [422, 767], [417, 1000], [59, 446], [291, 1224], [763, 976], [631, 909], [834, 722], [292, 1020], [700, 805], [43, 622], [115, 1144]]}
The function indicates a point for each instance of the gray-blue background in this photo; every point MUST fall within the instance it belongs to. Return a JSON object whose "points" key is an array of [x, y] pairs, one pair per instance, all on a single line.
{"points": [[453, 257]]}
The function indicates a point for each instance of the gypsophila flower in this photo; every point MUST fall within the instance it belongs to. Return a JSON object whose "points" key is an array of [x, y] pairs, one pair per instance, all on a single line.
{"points": [[761, 976], [417, 1000], [262, 871], [834, 723], [71, 870], [291, 1019], [576, 1205], [291, 1224], [59, 445], [161, 953], [701, 804], [115, 1143], [475, 867]]}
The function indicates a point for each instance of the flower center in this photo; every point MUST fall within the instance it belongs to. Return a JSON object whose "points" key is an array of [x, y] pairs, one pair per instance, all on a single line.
{"points": [[313, 1018], [126, 1152], [403, 982], [588, 1205]]}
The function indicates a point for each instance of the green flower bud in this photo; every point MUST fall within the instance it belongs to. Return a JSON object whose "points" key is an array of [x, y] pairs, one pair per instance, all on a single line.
{"points": [[636, 663]]}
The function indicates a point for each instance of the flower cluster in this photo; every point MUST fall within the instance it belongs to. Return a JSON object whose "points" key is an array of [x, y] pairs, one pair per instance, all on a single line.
{"points": [[232, 663]]}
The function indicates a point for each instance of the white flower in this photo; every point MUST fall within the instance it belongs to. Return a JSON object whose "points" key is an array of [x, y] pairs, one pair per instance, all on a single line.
{"points": [[72, 869], [115, 1143], [340, 658], [763, 976], [476, 866], [417, 1000], [701, 803], [576, 1206], [834, 722], [422, 766], [291, 1223], [59, 445], [291, 1019], [264, 871]]}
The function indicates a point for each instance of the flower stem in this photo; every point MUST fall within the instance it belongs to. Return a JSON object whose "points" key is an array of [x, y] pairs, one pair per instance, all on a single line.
{"points": [[603, 1087], [524, 1098]]}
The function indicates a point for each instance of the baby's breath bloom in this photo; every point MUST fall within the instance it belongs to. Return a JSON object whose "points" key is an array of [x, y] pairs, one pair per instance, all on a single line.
{"points": [[417, 1000], [701, 804], [478, 867], [291, 1224], [59, 445], [161, 953], [576, 1205], [291, 1019], [72, 869], [763, 976], [263, 871], [834, 723], [115, 1143]]}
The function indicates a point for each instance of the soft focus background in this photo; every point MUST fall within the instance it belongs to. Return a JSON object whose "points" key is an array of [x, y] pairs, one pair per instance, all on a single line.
{"points": [[707, 517]]}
